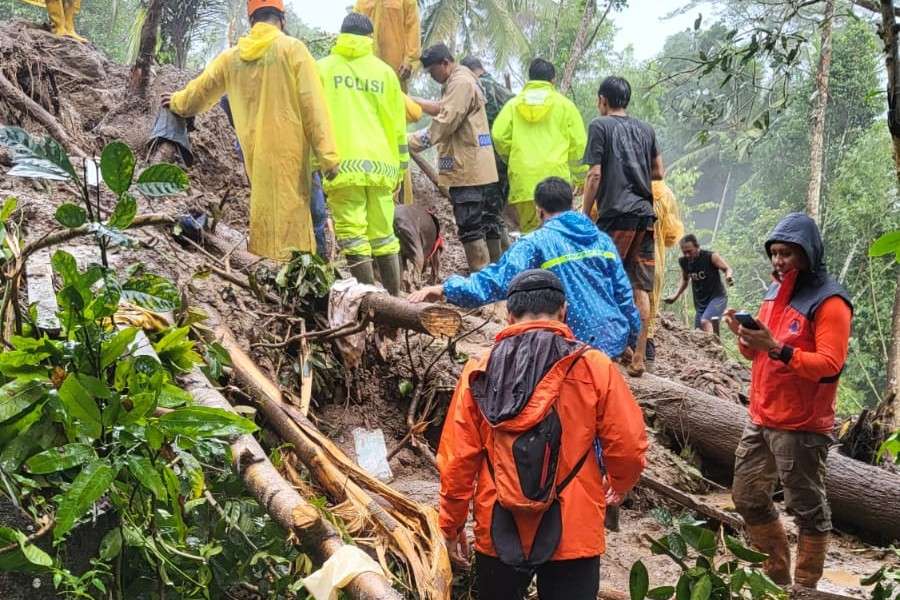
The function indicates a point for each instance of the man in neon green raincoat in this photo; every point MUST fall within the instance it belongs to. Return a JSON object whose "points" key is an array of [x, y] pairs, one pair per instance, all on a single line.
{"points": [[280, 118], [539, 134], [369, 111]]}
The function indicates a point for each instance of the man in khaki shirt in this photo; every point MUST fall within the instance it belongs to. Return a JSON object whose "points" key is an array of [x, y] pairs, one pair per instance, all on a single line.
{"points": [[465, 155]]}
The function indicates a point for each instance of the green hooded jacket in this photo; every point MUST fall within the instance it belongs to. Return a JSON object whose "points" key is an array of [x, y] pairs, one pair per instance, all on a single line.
{"points": [[368, 112], [539, 134]]}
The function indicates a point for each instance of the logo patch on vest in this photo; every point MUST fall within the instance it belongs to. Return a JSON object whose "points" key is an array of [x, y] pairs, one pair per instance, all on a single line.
{"points": [[794, 327], [484, 140], [446, 163]]}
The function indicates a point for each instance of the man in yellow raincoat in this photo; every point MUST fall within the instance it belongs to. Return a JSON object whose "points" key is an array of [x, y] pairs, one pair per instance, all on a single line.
{"points": [[369, 111], [280, 118], [398, 42], [62, 15], [539, 134]]}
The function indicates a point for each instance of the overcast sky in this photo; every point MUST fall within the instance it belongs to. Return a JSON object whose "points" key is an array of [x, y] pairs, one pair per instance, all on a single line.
{"points": [[640, 25]]}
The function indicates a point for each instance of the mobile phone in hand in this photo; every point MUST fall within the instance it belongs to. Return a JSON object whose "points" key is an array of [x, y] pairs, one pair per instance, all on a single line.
{"points": [[747, 321]]}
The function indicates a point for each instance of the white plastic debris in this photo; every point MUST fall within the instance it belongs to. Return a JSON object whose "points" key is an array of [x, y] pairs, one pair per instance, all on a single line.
{"points": [[371, 453]]}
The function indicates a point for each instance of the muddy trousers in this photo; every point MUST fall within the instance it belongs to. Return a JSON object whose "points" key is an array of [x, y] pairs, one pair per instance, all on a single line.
{"points": [[477, 213], [526, 216], [556, 580], [797, 458], [364, 220]]}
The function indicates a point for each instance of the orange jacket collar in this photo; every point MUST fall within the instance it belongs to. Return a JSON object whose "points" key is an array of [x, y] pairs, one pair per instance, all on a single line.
{"points": [[520, 328]]}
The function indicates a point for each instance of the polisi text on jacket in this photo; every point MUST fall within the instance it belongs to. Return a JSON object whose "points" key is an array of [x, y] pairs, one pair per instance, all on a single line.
{"points": [[374, 86]]}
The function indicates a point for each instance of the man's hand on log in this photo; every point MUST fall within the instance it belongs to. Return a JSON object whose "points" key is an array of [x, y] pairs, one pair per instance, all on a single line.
{"points": [[433, 293], [459, 550]]}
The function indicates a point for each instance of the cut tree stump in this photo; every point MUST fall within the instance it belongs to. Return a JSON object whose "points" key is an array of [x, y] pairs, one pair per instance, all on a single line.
{"points": [[434, 319], [281, 500], [862, 497]]}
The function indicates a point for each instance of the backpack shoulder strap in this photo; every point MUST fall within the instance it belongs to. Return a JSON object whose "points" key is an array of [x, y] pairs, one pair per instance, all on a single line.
{"points": [[571, 476]]}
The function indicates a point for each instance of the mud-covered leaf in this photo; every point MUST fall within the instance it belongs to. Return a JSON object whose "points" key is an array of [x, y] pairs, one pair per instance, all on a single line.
{"points": [[60, 459], [36, 158], [124, 213], [162, 180], [117, 167], [638, 581], [17, 396], [203, 422], [93, 481]]}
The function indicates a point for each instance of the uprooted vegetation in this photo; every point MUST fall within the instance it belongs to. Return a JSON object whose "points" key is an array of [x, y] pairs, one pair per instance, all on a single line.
{"points": [[132, 473]]}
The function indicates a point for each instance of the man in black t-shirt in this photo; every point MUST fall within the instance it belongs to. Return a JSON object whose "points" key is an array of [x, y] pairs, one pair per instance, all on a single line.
{"points": [[704, 271], [624, 160]]}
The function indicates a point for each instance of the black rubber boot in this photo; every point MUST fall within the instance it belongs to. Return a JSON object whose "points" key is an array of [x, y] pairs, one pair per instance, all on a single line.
{"points": [[495, 249], [361, 267], [389, 269]]}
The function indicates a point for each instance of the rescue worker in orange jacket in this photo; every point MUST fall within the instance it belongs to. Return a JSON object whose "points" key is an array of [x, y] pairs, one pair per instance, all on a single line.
{"points": [[512, 448], [798, 345]]}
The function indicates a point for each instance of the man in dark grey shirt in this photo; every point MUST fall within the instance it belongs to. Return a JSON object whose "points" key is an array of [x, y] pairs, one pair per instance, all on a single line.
{"points": [[624, 159]]}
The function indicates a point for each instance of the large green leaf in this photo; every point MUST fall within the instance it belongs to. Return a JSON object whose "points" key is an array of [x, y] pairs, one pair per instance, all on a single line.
{"points": [[23, 364], [42, 159], [65, 266], [60, 459], [15, 427], [27, 557], [111, 544], [79, 404], [113, 349], [638, 581], [203, 422], [91, 483], [17, 396], [152, 292], [9, 207], [702, 589], [162, 180], [889, 243], [124, 213], [117, 167], [71, 215], [144, 471], [744, 553], [700, 539]]}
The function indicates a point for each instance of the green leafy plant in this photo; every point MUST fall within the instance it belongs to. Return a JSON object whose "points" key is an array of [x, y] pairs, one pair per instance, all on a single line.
{"points": [[305, 280], [715, 566], [885, 581]]}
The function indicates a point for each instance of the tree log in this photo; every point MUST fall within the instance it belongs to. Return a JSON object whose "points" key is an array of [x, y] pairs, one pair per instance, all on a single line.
{"points": [[434, 319], [411, 529], [281, 500], [862, 497]]}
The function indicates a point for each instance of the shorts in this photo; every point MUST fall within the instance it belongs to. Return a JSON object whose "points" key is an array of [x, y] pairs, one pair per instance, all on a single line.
{"points": [[714, 309], [637, 247]]}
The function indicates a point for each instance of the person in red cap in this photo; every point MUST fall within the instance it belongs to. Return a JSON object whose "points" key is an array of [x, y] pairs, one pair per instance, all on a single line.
{"points": [[281, 121]]}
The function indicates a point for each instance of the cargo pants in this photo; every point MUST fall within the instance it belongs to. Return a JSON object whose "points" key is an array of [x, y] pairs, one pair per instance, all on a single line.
{"points": [[797, 459], [364, 220], [476, 212]]}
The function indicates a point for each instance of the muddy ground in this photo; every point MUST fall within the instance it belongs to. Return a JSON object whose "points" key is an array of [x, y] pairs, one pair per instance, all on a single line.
{"points": [[86, 93]]}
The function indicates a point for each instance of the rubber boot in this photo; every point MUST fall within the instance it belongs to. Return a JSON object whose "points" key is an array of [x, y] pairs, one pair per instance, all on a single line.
{"points": [[389, 268], [57, 17], [810, 559], [71, 9], [477, 255], [495, 249], [361, 267], [771, 539]]}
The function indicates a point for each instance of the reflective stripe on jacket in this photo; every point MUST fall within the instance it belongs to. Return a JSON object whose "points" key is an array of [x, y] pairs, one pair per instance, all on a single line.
{"points": [[539, 134], [594, 402], [368, 110], [601, 302]]}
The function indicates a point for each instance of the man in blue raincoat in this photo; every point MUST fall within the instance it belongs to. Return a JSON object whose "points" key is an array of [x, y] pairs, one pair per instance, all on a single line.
{"points": [[601, 312]]}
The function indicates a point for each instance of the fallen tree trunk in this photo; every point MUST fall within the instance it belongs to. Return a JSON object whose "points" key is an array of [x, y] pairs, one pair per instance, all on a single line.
{"points": [[434, 319], [862, 496], [281, 500], [430, 173], [411, 529]]}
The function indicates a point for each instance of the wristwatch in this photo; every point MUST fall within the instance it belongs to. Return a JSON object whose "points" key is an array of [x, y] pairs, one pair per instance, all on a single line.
{"points": [[782, 352]]}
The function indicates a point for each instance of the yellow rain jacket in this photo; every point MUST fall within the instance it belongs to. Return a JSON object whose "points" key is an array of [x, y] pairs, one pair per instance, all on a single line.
{"points": [[397, 31], [668, 229], [280, 116], [539, 134], [369, 112]]}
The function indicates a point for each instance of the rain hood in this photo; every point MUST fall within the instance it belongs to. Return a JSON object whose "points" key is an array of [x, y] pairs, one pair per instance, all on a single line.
{"points": [[255, 44]]}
